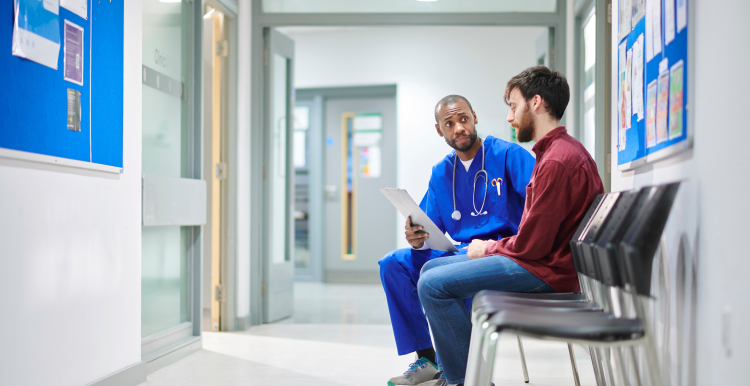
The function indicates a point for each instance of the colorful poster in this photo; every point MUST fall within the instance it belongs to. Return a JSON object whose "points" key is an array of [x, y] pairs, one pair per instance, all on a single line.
{"points": [[79, 7], [639, 11], [681, 15], [662, 106], [668, 21], [638, 78], [369, 162], [651, 115], [676, 79], [625, 17], [36, 31], [73, 54]]}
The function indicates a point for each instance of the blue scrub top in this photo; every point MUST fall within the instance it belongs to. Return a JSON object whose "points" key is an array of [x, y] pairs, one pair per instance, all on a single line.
{"points": [[503, 160]]}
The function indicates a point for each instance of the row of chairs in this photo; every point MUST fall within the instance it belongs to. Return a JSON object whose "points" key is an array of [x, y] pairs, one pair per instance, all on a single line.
{"points": [[613, 251]]}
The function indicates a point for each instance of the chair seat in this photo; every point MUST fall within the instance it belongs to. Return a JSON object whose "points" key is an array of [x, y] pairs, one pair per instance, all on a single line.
{"points": [[588, 326], [491, 306], [566, 296]]}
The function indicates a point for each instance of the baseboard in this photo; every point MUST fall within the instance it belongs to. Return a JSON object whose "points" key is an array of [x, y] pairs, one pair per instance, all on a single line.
{"points": [[353, 277], [172, 354], [242, 323], [132, 375]]}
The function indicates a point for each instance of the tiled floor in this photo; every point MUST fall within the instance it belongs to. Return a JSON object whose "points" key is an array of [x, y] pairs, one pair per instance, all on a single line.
{"points": [[341, 336]]}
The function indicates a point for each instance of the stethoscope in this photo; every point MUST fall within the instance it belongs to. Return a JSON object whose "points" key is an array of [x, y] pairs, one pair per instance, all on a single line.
{"points": [[456, 214]]}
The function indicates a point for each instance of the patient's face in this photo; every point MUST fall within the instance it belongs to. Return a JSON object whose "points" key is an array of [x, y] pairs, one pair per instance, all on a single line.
{"points": [[457, 125], [520, 117]]}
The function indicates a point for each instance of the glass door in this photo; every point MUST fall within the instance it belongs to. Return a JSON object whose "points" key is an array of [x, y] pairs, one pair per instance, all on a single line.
{"points": [[171, 223], [278, 173]]}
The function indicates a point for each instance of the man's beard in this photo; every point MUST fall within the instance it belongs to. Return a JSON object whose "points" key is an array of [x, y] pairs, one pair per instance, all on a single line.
{"points": [[472, 138], [526, 128]]}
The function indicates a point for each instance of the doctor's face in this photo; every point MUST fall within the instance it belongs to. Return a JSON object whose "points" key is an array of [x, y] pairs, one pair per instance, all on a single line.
{"points": [[456, 124]]}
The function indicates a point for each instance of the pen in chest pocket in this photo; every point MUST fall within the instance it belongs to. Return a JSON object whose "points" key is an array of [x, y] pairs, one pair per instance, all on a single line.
{"points": [[498, 182]]}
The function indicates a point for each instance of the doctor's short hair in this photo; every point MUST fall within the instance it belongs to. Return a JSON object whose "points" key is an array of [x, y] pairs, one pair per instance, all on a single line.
{"points": [[450, 100], [549, 84]]}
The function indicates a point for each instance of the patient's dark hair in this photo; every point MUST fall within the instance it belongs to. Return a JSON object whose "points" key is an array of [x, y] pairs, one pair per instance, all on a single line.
{"points": [[550, 85], [450, 100]]}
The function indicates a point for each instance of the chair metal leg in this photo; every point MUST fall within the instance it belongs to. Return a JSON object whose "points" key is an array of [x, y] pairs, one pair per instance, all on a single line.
{"points": [[620, 363], [572, 364], [636, 372], [523, 360], [476, 359], [597, 364], [492, 338], [608, 366]]}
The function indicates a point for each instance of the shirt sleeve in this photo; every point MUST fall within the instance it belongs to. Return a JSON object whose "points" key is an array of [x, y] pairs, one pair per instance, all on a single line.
{"points": [[519, 165], [550, 204], [429, 205]]}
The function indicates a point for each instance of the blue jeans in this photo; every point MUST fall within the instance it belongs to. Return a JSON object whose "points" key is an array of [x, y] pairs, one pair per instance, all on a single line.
{"points": [[443, 286]]}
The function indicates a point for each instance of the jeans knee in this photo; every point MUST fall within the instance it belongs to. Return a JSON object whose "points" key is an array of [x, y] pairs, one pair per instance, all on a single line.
{"points": [[425, 286], [428, 266]]}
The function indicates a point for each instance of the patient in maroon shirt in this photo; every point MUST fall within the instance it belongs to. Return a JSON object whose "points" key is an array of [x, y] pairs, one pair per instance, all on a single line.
{"points": [[563, 185]]}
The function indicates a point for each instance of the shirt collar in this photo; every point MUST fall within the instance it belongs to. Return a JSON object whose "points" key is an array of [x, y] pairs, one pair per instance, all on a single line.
{"points": [[544, 143]]}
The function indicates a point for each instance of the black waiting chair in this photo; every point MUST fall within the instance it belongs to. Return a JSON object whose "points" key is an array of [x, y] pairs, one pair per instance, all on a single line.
{"points": [[623, 249], [487, 303]]}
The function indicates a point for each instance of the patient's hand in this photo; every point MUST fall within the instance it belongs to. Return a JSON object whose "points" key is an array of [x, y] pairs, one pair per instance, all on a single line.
{"points": [[476, 248]]}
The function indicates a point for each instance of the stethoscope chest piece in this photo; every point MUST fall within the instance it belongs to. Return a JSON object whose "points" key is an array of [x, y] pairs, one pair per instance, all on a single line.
{"points": [[456, 215]]}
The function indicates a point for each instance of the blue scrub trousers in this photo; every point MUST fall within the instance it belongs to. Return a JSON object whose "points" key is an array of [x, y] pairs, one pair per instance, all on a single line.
{"points": [[399, 273]]}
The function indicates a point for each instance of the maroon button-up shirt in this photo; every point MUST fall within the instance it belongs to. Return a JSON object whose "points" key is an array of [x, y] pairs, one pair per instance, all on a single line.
{"points": [[564, 183]]}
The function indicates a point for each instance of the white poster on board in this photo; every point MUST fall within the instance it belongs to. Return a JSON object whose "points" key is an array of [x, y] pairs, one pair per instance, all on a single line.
{"points": [[79, 7], [681, 15], [669, 26], [36, 31]]}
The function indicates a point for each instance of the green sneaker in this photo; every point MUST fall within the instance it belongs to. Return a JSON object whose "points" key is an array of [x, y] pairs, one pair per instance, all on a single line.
{"points": [[419, 372]]}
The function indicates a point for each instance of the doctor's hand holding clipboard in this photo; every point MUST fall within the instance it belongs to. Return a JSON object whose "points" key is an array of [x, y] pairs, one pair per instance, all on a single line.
{"points": [[415, 234]]}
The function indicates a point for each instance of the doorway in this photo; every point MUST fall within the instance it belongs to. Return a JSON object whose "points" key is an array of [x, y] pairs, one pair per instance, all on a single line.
{"points": [[351, 147]]}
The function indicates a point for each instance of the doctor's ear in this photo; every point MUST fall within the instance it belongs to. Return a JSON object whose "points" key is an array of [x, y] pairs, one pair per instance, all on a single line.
{"points": [[476, 121], [437, 127]]}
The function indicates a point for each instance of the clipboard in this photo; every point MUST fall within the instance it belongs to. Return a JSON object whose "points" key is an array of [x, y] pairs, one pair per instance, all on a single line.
{"points": [[407, 207]]}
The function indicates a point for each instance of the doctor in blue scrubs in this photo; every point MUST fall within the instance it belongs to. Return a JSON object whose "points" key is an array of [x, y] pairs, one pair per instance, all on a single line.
{"points": [[475, 192]]}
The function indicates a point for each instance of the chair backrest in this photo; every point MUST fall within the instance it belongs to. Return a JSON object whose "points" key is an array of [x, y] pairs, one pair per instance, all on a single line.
{"points": [[592, 233], [617, 223], [638, 246], [574, 250]]}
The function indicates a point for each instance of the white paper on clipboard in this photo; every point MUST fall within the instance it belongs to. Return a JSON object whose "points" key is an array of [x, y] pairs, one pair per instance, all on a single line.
{"points": [[407, 207]]}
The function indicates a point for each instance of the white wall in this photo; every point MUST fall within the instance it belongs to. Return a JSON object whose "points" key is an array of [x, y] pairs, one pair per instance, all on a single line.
{"points": [[70, 243], [718, 171], [426, 64]]}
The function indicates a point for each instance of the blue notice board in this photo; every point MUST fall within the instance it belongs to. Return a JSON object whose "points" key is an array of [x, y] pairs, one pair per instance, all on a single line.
{"points": [[34, 104], [663, 125]]}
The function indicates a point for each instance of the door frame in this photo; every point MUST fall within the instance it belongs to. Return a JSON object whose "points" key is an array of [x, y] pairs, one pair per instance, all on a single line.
{"points": [[603, 153], [260, 22]]}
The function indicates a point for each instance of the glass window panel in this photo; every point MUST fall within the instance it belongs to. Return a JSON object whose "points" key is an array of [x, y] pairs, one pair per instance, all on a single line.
{"points": [[407, 6], [165, 75], [164, 297], [279, 213], [589, 86]]}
